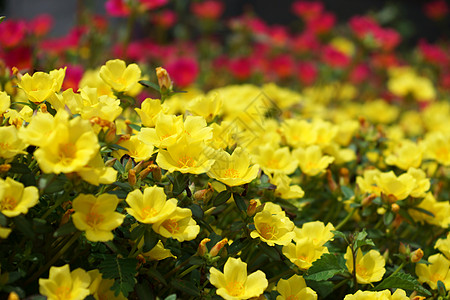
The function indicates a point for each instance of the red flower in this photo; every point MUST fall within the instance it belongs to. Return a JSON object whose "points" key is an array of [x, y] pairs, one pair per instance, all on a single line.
{"points": [[387, 38], [307, 10], [183, 71], [73, 77], [432, 53], [362, 25], [283, 65], [321, 24], [436, 10], [334, 58], [305, 42], [241, 67], [359, 74], [41, 25], [166, 18], [153, 4], [307, 73], [19, 57], [210, 9], [117, 8], [12, 32]]}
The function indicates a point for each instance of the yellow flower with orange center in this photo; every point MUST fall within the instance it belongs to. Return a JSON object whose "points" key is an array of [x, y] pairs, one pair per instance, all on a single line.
{"points": [[178, 225], [369, 267], [437, 270], [304, 252], [119, 76], [10, 143], [311, 160], [97, 216], [234, 283], [294, 288], [40, 86], [15, 199], [151, 206]]}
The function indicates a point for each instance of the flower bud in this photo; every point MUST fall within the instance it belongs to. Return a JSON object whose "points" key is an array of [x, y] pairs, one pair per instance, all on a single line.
{"points": [[5, 168], [416, 255], [202, 249], [110, 162], [215, 250], [164, 81], [404, 249], [123, 138], [141, 259], [344, 176], [331, 183], [129, 164], [65, 218], [111, 133], [156, 172], [204, 195], [13, 296], [395, 207], [132, 177], [43, 107], [368, 200], [16, 73], [251, 209]]}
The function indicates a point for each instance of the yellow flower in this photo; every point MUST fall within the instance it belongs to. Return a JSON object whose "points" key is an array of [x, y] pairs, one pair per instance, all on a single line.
{"points": [[186, 157], [95, 172], [15, 199], [234, 169], [151, 206], [399, 294], [437, 270], [439, 209], [444, 245], [379, 111], [284, 190], [166, 132], [120, 77], [149, 111], [295, 288], [10, 143], [41, 86], [422, 183], [63, 284], [299, 133], [405, 154], [136, 149], [91, 78], [311, 160], [41, 125], [304, 252], [104, 107], [17, 118], [369, 267], [437, 147], [400, 187], [316, 231], [206, 106], [272, 226], [5, 102], [100, 287], [178, 225], [158, 252], [97, 216], [367, 182], [275, 160], [234, 283], [4, 232], [70, 146]]}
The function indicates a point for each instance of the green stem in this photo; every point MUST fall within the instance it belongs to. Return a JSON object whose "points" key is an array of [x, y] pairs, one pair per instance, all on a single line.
{"points": [[54, 258], [337, 286], [346, 219], [55, 206], [398, 269], [188, 270], [133, 250], [287, 272], [178, 267]]}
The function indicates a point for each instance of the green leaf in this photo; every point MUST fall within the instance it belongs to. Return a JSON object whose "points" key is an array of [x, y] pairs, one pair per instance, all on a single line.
{"points": [[180, 183], [122, 270], [119, 167], [18, 168], [347, 192], [196, 210], [135, 127], [237, 246], [269, 251], [222, 197], [388, 218], [402, 281], [65, 229], [339, 234], [323, 288], [2, 18], [156, 275], [150, 240], [150, 84], [423, 211], [3, 220], [361, 240], [24, 226], [240, 203], [137, 232], [144, 292], [185, 286], [327, 266], [171, 297]]}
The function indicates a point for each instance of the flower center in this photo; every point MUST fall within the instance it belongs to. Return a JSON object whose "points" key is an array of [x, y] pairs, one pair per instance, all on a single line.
{"points": [[172, 226], [8, 203], [67, 153], [186, 162], [149, 212], [273, 164], [436, 277], [62, 293], [235, 288], [268, 232], [93, 219], [361, 270], [4, 146], [292, 297], [231, 173]]}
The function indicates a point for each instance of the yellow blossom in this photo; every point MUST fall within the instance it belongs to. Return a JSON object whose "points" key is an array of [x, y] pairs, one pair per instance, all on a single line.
{"points": [[158, 252], [10, 143], [207, 107], [166, 132], [95, 172], [136, 149], [304, 252], [437, 270], [100, 287], [41, 86], [295, 288], [4, 232], [437, 147], [186, 157], [234, 169], [444, 246], [151, 206], [311, 160], [178, 225], [405, 154], [316, 231], [149, 111], [91, 78], [15, 199], [5, 102], [369, 267], [440, 211], [17, 118], [120, 77], [272, 226], [234, 283], [400, 187], [41, 124], [422, 183], [275, 160], [367, 182], [399, 294], [63, 284], [284, 188], [104, 107], [97, 216]]}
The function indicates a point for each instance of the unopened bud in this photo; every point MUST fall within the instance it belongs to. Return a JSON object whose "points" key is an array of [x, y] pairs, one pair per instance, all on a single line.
{"points": [[331, 183], [129, 129], [251, 209], [16, 73], [164, 81], [132, 177], [65, 218], [13, 296], [386, 255], [416, 255], [156, 172], [204, 195], [141, 165], [395, 207], [404, 249], [123, 138], [344, 176], [217, 247], [43, 107], [110, 162], [368, 200], [202, 249], [111, 133], [141, 259], [5, 168], [129, 164]]}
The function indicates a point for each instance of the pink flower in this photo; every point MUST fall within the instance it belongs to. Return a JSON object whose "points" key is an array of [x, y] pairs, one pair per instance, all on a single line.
{"points": [[117, 8], [387, 38], [433, 53], [305, 42], [73, 77], [436, 10], [334, 58], [12, 32], [322, 24], [41, 25], [359, 74], [183, 71], [307, 10], [153, 4], [283, 65], [19, 57], [166, 18], [362, 25], [210, 9], [307, 73], [241, 67]]}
